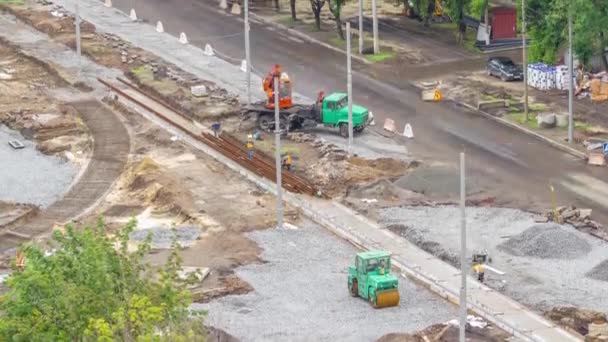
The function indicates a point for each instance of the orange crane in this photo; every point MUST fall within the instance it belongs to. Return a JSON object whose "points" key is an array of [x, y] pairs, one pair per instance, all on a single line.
{"points": [[285, 100]]}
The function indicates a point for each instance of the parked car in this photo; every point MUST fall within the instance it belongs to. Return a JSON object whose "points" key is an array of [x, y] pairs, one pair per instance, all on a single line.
{"points": [[504, 68]]}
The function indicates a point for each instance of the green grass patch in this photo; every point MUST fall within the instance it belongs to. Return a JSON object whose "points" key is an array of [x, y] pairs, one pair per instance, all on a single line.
{"points": [[445, 26], [582, 126], [380, 57], [520, 118], [538, 107], [146, 76], [287, 21], [12, 2], [488, 97], [387, 54]]}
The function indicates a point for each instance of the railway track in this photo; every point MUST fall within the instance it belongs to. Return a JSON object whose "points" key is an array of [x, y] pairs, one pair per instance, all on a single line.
{"points": [[225, 144]]}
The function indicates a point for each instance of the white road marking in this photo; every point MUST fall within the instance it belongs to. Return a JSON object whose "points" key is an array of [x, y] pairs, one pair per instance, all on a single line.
{"points": [[588, 187]]}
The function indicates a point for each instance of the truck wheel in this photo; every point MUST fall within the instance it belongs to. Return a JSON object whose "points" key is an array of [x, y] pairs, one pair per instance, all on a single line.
{"points": [[359, 129], [265, 122], [354, 288], [343, 130]]}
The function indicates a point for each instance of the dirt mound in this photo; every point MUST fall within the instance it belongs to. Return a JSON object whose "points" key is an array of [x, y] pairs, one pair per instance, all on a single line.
{"points": [[448, 333], [546, 241], [575, 318], [334, 176], [147, 182], [599, 272]]}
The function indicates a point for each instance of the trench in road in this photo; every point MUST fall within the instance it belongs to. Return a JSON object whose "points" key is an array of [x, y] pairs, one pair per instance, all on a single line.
{"points": [[502, 161]]}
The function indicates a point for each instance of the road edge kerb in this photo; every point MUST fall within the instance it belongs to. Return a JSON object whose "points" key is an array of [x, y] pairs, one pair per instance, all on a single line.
{"points": [[550, 141], [306, 37], [299, 202], [515, 126]]}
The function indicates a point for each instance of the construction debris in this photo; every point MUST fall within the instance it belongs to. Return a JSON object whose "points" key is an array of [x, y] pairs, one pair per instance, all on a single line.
{"points": [[579, 219], [575, 318]]}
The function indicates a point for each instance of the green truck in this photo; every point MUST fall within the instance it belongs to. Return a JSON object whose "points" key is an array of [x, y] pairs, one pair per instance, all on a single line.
{"points": [[331, 111], [371, 279]]}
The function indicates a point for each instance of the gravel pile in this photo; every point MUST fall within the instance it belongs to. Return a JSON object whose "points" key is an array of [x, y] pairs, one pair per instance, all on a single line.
{"points": [[162, 237], [599, 272], [546, 241]]}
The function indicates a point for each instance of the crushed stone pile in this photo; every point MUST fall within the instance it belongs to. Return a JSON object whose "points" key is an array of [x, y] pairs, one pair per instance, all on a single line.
{"points": [[599, 272], [546, 241], [162, 237]]}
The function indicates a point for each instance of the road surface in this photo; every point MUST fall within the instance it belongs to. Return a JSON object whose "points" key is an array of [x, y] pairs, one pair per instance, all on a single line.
{"points": [[505, 163]]}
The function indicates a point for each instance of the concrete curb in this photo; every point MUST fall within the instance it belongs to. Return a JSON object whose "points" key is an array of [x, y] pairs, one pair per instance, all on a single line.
{"points": [[527, 131], [559, 146], [306, 37]]}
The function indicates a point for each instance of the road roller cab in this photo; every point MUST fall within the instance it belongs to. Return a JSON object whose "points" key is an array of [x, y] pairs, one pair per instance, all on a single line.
{"points": [[370, 278]]}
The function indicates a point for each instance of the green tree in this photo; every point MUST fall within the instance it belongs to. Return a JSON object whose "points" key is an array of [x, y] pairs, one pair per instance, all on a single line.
{"points": [[92, 288], [548, 28], [335, 7], [317, 6]]}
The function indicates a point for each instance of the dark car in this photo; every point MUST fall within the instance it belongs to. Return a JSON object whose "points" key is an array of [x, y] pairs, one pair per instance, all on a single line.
{"points": [[504, 68]]}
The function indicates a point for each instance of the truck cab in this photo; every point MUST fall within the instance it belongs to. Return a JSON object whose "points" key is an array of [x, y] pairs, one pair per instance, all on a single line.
{"points": [[334, 113], [370, 278]]}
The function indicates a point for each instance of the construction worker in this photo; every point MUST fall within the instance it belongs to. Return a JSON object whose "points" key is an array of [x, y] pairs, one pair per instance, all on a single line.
{"points": [[382, 266], [480, 271], [287, 162], [250, 147], [216, 128]]}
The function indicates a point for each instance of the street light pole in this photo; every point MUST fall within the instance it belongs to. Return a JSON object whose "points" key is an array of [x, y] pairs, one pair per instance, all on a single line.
{"points": [[78, 50], [463, 252], [360, 27], [525, 56], [570, 77], [375, 27], [349, 87], [277, 146], [247, 53]]}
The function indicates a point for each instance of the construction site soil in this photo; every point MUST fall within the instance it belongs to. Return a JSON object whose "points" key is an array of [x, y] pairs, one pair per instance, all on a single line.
{"points": [[168, 184]]}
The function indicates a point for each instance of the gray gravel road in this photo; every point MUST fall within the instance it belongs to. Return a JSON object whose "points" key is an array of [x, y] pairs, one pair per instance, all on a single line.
{"points": [[40, 185], [546, 265], [300, 295]]}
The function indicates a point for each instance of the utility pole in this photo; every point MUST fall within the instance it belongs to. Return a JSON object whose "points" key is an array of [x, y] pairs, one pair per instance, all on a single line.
{"points": [[570, 77], [277, 146], [360, 27], [463, 252], [78, 50], [349, 87], [247, 54], [525, 56], [375, 26]]}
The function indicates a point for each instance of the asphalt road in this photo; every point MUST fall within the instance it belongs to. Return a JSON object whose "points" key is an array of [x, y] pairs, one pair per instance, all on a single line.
{"points": [[505, 163]]}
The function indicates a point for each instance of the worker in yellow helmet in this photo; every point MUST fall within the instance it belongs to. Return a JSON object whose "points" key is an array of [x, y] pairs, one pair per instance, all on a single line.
{"points": [[479, 269], [250, 147], [382, 266], [287, 162]]}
